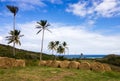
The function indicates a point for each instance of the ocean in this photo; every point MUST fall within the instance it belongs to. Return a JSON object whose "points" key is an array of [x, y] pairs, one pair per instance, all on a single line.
{"points": [[84, 56]]}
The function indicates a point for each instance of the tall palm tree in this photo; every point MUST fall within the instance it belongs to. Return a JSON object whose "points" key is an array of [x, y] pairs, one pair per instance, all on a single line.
{"points": [[14, 10], [42, 26], [14, 37]]}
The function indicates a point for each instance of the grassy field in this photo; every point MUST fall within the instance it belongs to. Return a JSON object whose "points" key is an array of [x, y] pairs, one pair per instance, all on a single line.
{"points": [[37, 73]]}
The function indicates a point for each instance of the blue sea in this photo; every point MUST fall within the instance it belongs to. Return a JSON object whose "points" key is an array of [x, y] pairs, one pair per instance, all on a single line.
{"points": [[84, 56]]}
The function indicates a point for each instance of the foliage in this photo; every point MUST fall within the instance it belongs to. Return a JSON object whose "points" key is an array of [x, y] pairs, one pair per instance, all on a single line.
{"points": [[111, 59], [13, 9], [14, 37], [6, 51]]}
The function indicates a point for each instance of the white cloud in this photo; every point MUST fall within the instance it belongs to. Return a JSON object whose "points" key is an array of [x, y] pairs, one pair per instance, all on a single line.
{"points": [[1, 38], [78, 39], [105, 8], [26, 4], [55, 1], [77, 9]]}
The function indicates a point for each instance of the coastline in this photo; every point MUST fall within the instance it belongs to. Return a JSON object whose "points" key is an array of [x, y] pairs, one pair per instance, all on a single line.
{"points": [[83, 56]]}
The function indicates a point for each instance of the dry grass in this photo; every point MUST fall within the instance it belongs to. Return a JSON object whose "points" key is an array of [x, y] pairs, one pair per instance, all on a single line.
{"points": [[64, 64], [20, 63], [43, 63], [74, 64], [48, 62], [6, 62], [107, 67], [84, 66], [96, 66], [55, 63]]}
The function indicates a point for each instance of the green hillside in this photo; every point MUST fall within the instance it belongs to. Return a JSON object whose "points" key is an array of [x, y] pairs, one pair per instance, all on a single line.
{"points": [[6, 51]]}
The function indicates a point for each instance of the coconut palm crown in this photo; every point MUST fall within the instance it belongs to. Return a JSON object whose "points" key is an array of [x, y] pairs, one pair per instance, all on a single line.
{"points": [[60, 49], [14, 38], [13, 9], [51, 46]]}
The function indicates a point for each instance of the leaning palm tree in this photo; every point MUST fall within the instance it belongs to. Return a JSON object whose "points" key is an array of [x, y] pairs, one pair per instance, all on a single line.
{"points": [[14, 10], [14, 38], [52, 47], [42, 26]]}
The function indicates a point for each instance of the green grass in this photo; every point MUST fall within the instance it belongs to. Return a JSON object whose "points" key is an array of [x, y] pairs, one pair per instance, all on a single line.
{"points": [[37, 73]]}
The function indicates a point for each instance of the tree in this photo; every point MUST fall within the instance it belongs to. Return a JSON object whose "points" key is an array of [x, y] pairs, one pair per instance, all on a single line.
{"points": [[52, 47], [64, 44], [81, 55], [14, 38], [14, 10], [42, 26], [60, 49]]}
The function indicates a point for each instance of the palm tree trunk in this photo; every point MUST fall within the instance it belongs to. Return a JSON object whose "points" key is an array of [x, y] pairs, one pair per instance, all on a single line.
{"points": [[13, 48], [14, 35], [42, 45], [53, 55]]}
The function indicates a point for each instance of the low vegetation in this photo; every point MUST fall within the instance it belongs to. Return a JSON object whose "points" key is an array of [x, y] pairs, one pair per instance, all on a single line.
{"points": [[40, 73], [111, 59], [6, 51], [87, 70]]}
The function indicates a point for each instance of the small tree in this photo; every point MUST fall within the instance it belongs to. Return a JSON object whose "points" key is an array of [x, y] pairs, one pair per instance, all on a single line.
{"points": [[60, 49], [64, 44], [52, 47], [14, 38]]}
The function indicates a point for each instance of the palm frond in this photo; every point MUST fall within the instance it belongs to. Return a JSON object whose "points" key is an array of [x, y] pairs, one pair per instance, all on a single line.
{"points": [[10, 41], [21, 35], [49, 30], [39, 26], [47, 25], [39, 31], [14, 37]]}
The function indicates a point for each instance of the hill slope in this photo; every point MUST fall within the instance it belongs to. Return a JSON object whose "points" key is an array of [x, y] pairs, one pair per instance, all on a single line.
{"points": [[6, 51]]}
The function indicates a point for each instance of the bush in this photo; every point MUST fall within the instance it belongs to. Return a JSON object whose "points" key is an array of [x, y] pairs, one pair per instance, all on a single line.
{"points": [[111, 59]]}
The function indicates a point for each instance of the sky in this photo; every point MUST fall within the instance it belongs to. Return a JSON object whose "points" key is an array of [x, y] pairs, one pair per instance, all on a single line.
{"points": [[88, 26]]}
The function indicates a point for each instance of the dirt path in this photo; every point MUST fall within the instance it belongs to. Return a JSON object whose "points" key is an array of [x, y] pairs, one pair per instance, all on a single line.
{"points": [[58, 77]]}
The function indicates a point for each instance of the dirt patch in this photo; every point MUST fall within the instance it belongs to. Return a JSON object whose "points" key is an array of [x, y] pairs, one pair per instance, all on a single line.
{"points": [[58, 77]]}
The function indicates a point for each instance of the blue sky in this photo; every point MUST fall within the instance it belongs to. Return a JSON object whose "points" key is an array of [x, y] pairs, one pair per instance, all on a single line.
{"points": [[88, 26]]}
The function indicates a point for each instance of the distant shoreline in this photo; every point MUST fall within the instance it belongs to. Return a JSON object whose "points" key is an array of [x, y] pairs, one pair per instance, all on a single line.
{"points": [[84, 56]]}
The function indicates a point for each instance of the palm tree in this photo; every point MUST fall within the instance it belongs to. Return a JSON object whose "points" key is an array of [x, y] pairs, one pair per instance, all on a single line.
{"points": [[65, 46], [42, 26], [57, 43], [14, 37], [14, 10], [52, 47], [60, 49]]}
